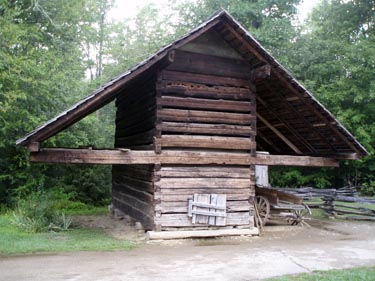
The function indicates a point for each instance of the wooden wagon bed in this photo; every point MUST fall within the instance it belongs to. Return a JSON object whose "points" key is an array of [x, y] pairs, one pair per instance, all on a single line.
{"points": [[274, 205]]}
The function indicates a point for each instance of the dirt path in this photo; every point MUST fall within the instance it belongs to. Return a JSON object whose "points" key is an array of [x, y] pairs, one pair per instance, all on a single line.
{"points": [[282, 250]]}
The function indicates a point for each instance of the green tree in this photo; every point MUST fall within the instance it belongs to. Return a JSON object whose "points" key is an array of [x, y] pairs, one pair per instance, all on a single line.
{"points": [[334, 57], [41, 74], [270, 22]]}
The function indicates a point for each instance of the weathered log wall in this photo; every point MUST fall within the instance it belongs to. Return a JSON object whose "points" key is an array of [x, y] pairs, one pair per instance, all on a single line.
{"points": [[132, 185], [175, 185], [204, 103]]}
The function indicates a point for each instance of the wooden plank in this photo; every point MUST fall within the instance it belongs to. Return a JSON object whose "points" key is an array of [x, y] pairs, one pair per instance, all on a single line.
{"points": [[182, 220], [181, 115], [206, 104], [232, 195], [137, 118], [210, 142], [202, 198], [132, 129], [204, 79], [204, 183], [145, 207], [182, 206], [207, 129], [144, 101], [203, 172], [142, 138], [134, 171], [208, 64], [141, 195], [167, 235], [185, 89], [243, 192], [134, 183], [91, 156], [221, 201]]}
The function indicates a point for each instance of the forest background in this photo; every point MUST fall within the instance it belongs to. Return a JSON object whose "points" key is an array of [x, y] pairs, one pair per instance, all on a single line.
{"points": [[53, 53]]}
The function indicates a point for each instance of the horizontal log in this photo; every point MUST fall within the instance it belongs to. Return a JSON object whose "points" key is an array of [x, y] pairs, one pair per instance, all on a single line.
{"points": [[182, 220], [184, 234], [143, 102], [133, 129], [144, 207], [207, 64], [182, 115], [184, 197], [206, 129], [210, 142], [182, 206], [354, 199], [185, 89], [135, 192], [146, 137], [138, 184], [204, 79], [204, 183], [137, 118], [206, 104], [90, 156], [134, 172], [351, 212], [138, 215], [203, 172], [245, 192]]}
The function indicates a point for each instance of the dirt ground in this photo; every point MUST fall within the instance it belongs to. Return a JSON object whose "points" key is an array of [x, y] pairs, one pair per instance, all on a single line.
{"points": [[280, 250]]}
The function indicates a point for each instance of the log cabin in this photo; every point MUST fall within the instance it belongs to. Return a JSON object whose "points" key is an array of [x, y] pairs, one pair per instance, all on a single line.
{"points": [[190, 120]]}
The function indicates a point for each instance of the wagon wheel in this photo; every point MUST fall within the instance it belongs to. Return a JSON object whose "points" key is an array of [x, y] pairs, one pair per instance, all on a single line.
{"points": [[298, 216], [263, 209]]}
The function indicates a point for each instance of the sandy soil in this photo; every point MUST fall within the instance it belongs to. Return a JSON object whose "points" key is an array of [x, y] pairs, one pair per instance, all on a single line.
{"points": [[280, 250]]}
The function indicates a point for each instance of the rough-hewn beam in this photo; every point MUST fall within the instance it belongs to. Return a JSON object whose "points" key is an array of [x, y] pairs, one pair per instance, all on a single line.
{"points": [[260, 73], [33, 146], [279, 134], [87, 156]]}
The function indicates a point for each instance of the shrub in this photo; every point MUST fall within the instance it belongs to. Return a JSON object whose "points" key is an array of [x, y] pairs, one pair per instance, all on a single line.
{"points": [[38, 212]]}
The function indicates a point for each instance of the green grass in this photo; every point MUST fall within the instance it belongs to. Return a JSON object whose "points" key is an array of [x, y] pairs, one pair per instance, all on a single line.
{"points": [[14, 241], [360, 273], [87, 211]]}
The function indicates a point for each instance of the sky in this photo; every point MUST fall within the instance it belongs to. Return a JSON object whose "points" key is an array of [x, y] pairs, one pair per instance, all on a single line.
{"points": [[125, 8]]}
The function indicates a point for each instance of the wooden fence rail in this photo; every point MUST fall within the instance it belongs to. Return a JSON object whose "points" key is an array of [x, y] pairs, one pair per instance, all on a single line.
{"points": [[341, 203]]}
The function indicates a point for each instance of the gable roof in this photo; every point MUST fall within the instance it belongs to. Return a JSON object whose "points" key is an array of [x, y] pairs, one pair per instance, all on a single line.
{"points": [[332, 136]]}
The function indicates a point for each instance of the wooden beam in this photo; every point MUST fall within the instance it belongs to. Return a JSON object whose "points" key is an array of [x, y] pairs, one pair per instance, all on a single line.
{"points": [[286, 124], [166, 235], [279, 134], [33, 146], [260, 73], [88, 156]]}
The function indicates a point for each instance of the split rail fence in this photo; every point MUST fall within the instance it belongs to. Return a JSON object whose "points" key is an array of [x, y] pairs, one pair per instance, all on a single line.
{"points": [[343, 203]]}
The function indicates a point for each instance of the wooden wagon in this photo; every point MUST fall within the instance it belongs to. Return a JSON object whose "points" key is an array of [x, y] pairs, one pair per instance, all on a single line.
{"points": [[273, 205]]}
